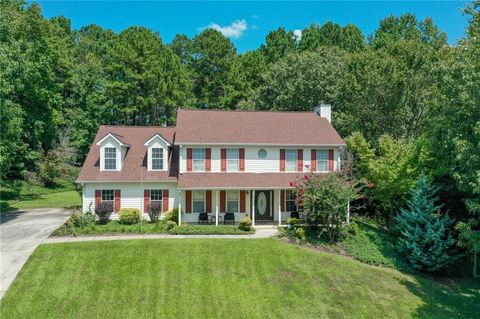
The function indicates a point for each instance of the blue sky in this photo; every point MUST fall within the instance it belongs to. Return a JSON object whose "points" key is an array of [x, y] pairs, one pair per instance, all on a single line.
{"points": [[247, 23]]}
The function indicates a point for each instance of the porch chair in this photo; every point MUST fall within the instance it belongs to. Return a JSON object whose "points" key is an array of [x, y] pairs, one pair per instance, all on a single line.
{"points": [[203, 218], [295, 215], [230, 217]]}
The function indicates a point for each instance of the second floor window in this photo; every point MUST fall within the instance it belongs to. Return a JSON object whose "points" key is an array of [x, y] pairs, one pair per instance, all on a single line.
{"points": [[198, 200], [291, 160], [110, 154], [157, 158], [322, 160], [198, 159], [232, 160]]}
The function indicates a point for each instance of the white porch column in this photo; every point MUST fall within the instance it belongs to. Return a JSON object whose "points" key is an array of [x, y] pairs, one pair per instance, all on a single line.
{"points": [[253, 208], [217, 199], [179, 208], [279, 207], [348, 213]]}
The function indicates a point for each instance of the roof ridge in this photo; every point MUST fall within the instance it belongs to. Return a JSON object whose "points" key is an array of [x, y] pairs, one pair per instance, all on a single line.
{"points": [[245, 111], [137, 126]]}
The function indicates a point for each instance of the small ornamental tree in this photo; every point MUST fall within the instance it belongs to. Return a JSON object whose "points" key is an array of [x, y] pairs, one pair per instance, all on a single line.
{"points": [[425, 238], [325, 199]]}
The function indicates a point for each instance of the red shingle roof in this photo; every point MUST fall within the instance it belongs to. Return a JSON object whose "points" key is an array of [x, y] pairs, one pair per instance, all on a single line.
{"points": [[237, 180], [134, 167], [254, 127]]}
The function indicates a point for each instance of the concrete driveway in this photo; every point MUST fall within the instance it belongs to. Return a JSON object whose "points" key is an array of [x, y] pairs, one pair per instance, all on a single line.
{"points": [[20, 233]]}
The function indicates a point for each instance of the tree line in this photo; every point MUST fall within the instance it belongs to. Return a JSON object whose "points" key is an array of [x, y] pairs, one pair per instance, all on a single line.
{"points": [[406, 101]]}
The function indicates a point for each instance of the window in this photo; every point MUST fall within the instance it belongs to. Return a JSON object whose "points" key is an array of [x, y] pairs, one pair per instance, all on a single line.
{"points": [[322, 160], [110, 154], [232, 202], [157, 158], [107, 195], [198, 159], [156, 196], [291, 160], [232, 160], [290, 204], [198, 201]]}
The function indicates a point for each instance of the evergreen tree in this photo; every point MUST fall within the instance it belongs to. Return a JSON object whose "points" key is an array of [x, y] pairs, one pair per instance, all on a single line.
{"points": [[425, 238]]}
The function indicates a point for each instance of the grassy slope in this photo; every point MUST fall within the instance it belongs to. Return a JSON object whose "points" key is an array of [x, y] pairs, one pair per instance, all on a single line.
{"points": [[31, 196], [205, 278]]}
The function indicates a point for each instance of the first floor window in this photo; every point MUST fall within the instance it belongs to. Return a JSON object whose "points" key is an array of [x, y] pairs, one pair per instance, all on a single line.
{"points": [[198, 159], [322, 160], [157, 158], [291, 160], [232, 202], [232, 159], [110, 157], [198, 199], [290, 204], [156, 196], [107, 195]]}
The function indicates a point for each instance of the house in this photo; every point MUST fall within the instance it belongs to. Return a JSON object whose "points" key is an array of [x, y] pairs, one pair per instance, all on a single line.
{"points": [[212, 161]]}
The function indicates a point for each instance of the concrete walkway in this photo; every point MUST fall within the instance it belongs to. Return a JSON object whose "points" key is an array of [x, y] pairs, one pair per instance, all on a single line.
{"points": [[263, 232], [20, 233]]}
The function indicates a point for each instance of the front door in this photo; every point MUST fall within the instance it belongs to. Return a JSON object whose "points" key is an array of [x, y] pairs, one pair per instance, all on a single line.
{"points": [[263, 205]]}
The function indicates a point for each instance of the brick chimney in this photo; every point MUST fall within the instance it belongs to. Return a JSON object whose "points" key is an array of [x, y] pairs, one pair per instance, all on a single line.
{"points": [[324, 110]]}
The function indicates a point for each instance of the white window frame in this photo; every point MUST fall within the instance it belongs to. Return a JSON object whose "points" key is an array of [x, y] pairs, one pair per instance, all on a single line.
{"points": [[322, 160], [157, 200], [289, 194], [200, 159], [198, 200], [161, 158], [104, 191], [233, 159], [105, 158], [291, 155], [237, 200]]}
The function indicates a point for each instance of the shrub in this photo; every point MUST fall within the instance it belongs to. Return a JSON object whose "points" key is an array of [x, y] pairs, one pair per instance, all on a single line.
{"points": [[292, 222], [172, 215], [129, 216], [300, 234], [154, 212], [352, 228], [82, 219], [103, 211], [245, 224], [208, 230], [171, 224]]}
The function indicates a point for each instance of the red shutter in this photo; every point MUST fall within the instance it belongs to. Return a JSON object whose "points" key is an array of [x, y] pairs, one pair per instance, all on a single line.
{"points": [[241, 155], [223, 201], [223, 156], [313, 161], [189, 159], [282, 200], [188, 202], [300, 160], [208, 158], [242, 201], [331, 163], [98, 197], [146, 200], [208, 201], [165, 198], [117, 200], [282, 160]]}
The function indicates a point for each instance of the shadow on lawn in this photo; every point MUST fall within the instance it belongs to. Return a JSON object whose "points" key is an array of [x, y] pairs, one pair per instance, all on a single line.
{"points": [[446, 298]]}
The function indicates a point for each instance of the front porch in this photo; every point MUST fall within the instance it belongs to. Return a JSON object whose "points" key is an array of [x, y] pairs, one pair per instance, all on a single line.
{"points": [[265, 207]]}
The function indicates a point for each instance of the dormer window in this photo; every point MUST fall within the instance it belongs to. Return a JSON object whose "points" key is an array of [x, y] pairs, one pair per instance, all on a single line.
{"points": [[157, 158], [110, 158]]}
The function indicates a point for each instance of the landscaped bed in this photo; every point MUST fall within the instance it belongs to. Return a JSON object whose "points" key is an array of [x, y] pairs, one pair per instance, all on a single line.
{"points": [[221, 278]]}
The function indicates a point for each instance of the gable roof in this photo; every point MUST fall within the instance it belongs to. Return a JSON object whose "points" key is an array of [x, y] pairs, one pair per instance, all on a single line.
{"points": [[157, 135], [134, 167], [254, 127], [120, 140]]}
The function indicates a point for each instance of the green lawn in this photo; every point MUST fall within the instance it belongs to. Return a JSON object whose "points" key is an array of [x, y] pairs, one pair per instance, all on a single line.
{"points": [[222, 278], [62, 195]]}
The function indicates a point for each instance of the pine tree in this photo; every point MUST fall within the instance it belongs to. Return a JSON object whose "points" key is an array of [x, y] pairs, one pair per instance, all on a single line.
{"points": [[425, 238]]}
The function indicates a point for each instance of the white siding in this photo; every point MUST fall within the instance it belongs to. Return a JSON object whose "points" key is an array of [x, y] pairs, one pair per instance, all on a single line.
{"points": [[131, 195], [254, 164]]}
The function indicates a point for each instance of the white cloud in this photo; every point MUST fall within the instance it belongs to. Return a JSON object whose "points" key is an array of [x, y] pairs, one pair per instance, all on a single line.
{"points": [[234, 30], [297, 34]]}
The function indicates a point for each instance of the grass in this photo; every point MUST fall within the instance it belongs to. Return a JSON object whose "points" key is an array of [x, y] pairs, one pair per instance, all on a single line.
{"points": [[62, 195], [221, 278], [114, 227]]}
